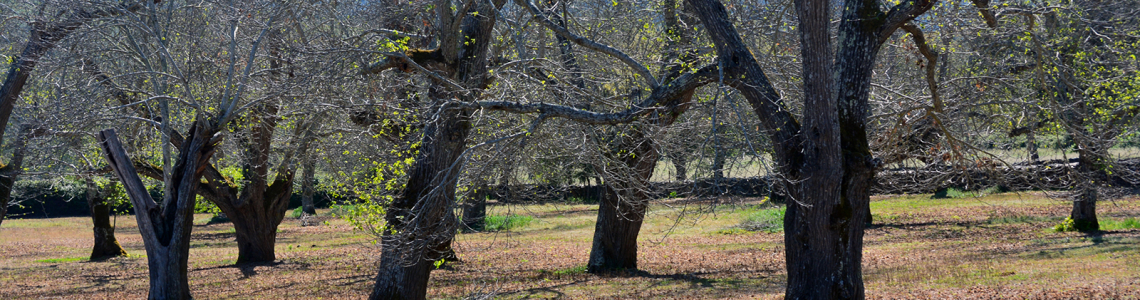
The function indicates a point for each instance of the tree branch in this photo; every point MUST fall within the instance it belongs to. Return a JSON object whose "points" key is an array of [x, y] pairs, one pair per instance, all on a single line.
{"points": [[590, 44], [932, 62], [901, 14], [684, 83]]}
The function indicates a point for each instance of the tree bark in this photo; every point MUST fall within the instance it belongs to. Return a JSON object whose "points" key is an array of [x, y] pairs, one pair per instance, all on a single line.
{"points": [[622, 210], [1031, 145], [106, 245], [165, 229], [11, 172], [824, 225], [475, 210], [308, 180], [1084, 206], [422, 221], [679, 162]]}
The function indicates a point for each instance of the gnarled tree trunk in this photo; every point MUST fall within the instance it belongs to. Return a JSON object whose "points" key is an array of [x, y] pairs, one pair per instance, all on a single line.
{"points": [[622, 210], [165, 229], [106, 245], [422, 218], [827, 161]]}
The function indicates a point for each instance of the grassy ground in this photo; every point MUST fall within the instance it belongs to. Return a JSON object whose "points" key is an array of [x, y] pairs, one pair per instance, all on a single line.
{"points": [[994, 247]]}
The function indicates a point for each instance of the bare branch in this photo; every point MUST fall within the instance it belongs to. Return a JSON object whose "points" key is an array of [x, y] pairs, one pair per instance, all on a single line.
{"points": [[590, 44]]}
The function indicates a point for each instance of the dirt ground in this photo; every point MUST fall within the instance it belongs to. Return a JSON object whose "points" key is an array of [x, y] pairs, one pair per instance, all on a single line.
{"points": [[993, 247]]}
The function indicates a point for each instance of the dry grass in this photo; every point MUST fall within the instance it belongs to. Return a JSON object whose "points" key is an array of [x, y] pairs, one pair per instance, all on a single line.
{"points": [[995, 247]]}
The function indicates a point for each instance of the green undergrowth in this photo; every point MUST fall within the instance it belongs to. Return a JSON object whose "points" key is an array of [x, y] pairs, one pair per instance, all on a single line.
{"points": [[1125, 224], [62, 260], [506, 222], [770, 220]]}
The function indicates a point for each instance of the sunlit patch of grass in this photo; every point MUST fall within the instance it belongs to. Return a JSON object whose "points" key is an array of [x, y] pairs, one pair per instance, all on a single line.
{"points": [[580, 269], [767, 220], [1110, 225], [506, 222], [62, 260], [923, 202]]}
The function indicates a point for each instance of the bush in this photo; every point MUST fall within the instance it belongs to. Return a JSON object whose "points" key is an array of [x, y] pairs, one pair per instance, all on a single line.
{"points": [[507, 222], [768, 220], [1067, 225]]}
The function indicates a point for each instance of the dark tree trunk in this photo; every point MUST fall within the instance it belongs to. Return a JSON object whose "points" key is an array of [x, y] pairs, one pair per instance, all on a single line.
{"points": [[475, 210], [615, 234], [1084, 206], [106, 246], [422, 220], [679, 162], [407, 255], [308, 180], [165, 229], [622, 208], [625, 199], [11, 172], [831, 172], [259, 207], [1031, 145]]}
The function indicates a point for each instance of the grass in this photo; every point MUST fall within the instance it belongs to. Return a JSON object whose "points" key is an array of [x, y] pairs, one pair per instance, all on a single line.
{"points": [[920, 248], [1125, 224], [506, 222], [767, 220], [61, 260]]}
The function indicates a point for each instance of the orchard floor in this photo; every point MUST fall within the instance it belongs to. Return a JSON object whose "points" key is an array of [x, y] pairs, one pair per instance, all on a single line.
{"points": [[993, 247]]}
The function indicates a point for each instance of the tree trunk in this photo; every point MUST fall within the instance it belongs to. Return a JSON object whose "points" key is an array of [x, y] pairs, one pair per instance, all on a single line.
{"points": [[106, 246], [422, 221], [625, 200], [615, 234], [475, 210], [832, 171], [308, 180], [1031, 145], [11, 172], [1084, 206], [165, 229], [679, 162], [719, 156]]}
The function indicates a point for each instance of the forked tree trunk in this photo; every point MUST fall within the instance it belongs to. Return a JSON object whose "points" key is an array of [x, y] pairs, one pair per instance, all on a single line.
{"points": [[422, 220], [827, 161], [256, 232], [165, 229], [106, 245], [260, 206]]}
